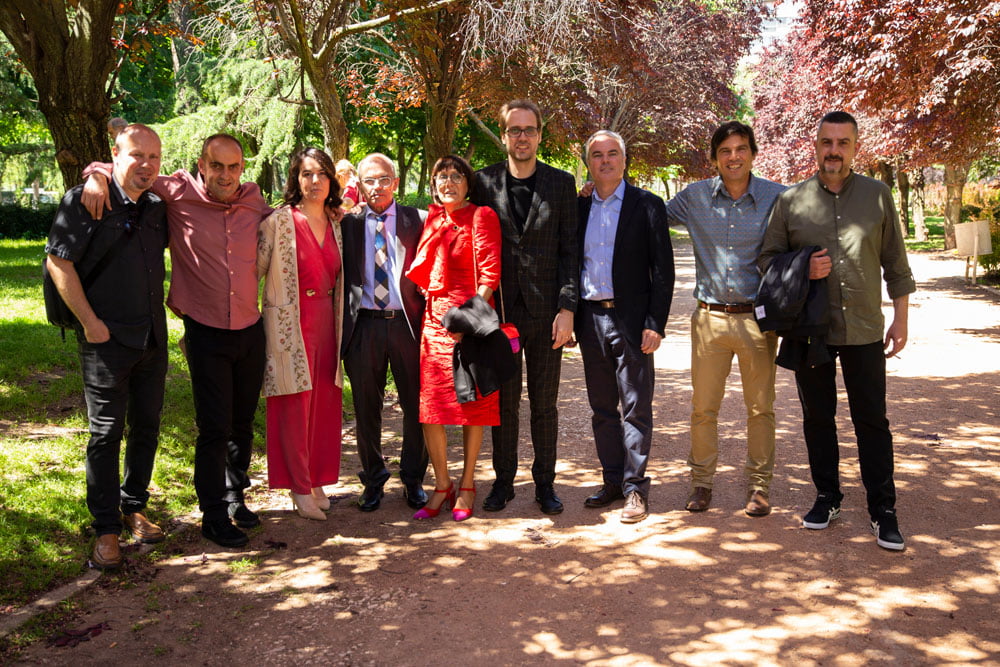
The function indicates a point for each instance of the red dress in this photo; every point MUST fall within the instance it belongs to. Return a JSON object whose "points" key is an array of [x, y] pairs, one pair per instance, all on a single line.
{"points": [[446, 269], [303, 429]]}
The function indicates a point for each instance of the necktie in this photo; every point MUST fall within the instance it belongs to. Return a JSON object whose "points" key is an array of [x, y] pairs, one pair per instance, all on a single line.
{"points": [[381, 292]]}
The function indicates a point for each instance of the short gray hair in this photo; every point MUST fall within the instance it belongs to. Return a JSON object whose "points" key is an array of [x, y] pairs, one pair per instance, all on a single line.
{"points": [[601, 134], [377, 157]]}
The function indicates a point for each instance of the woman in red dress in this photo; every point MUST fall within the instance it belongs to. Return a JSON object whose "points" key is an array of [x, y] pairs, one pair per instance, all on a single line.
{"points": [[458, 257], [299, 257]]}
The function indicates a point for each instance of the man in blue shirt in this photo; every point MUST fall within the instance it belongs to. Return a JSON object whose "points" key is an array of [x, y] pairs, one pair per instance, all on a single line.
{"points": [[726, 217], [626, 283]]}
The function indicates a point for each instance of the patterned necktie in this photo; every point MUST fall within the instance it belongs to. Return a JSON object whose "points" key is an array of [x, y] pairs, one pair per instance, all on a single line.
{"points": [[381, 292]]}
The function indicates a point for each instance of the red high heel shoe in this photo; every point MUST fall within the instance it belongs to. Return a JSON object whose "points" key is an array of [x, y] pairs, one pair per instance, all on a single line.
{"points": [[449, 499], [461, 514]]}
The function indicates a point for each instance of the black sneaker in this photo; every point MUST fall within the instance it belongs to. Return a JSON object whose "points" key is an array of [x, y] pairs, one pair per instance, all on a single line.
{"points": [[224, 533], [886, 529], [242, 516], [822, 513]]}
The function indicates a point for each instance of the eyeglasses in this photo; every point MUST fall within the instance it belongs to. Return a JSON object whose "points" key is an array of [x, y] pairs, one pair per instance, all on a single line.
{"points": [[455, 177], [383, 181], [530, 132]]}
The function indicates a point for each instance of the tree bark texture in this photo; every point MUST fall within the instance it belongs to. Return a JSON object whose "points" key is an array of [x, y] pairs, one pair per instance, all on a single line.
{"points": [[954, 183], [69, 54], [919, 227], [904, 201]]}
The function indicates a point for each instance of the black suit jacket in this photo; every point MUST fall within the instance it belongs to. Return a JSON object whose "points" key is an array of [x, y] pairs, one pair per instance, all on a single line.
{"points": [[642, 270], [408, 229], [540, 264]]}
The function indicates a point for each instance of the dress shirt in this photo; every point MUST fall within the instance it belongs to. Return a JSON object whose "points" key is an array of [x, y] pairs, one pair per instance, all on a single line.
{"points": [[213, 249], [596, 283], [860, 229], [726, 235], [368, 292]]}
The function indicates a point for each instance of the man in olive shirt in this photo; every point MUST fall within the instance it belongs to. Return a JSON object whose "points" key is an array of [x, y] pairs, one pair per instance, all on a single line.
{"points": [[853, 220]]}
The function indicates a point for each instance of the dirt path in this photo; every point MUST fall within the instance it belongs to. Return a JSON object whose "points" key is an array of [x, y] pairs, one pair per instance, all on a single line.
{"points": [[678, 588]]}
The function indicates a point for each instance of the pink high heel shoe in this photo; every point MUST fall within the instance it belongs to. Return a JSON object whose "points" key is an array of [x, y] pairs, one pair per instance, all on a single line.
{"points": [[428, 513], [461, 514]]}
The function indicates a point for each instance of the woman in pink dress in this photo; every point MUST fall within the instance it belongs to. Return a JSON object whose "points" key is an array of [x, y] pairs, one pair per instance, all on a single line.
{"points": [[299, 257], [458, 257]]}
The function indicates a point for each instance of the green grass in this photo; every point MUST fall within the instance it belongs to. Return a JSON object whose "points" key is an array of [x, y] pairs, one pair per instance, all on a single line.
{"points": [[44, 523], [935, 236]]}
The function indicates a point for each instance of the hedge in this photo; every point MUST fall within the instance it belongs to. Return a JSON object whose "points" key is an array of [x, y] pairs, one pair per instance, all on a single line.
{"points": [[26, 223]]}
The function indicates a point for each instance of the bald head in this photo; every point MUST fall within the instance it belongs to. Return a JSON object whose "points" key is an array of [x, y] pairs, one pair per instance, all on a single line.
{"points": [[136, 159]]}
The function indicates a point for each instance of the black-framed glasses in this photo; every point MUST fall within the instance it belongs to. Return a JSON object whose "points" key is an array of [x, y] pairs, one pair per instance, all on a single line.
{"points": [[383, 181], [530, 132]]}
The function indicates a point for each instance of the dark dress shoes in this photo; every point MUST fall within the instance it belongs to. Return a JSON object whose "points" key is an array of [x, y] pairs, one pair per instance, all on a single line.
{"points": [[371, 498], [415, 495], [107, 554], [606, 495], [699, 500], [223, 533], [242, 516], [547, 499], [500, 495]]}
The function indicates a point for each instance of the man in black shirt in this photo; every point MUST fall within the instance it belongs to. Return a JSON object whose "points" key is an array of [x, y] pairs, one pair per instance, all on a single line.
{"points": [[110, 273], [539, 275]]}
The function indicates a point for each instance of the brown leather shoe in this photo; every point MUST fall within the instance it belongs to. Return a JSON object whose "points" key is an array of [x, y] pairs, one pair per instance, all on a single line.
{"points": [[636, 508], [699, 500], [758, 505], [142, 528], [107, 554]]}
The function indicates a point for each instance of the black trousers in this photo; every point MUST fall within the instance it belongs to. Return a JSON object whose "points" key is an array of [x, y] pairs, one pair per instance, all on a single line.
{"points": [[863, 367], [227, 370], [377, 345], [122, 385], [617, 373], [543, 367]]}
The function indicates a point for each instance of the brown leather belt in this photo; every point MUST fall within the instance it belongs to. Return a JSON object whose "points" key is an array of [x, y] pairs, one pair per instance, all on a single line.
{"points": [[380, 314], [732, 309], [603, 303]]}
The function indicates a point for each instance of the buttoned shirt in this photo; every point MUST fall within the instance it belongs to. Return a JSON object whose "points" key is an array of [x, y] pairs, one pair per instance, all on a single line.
{"points": [[127, 295], [860, 229], [596, 282], [368, 291], [726, 234], [213, 249]]}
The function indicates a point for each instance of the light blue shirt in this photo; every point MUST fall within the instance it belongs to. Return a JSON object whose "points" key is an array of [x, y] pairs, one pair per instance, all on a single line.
{"points": [[596, 282], [367, 293], [727, 236]]}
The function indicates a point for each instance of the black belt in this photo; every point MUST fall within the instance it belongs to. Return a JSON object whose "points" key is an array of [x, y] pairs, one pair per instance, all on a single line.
{"points": [[380, 314], [603, 303], [733, 309]]}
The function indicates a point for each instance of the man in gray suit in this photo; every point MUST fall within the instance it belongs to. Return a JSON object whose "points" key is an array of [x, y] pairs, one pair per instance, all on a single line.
{"points": [[539, 280], [382, 329]]}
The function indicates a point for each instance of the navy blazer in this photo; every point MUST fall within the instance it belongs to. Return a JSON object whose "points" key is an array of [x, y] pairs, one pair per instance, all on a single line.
{"points": [[539, 264], [409, 226], [642, 268]]}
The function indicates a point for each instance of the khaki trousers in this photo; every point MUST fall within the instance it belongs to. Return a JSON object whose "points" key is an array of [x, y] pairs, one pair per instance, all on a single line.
{"points": [[715, 338]]}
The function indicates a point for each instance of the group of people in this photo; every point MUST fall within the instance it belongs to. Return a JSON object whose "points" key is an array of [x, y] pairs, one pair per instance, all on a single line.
{"points": [[511, 253]]}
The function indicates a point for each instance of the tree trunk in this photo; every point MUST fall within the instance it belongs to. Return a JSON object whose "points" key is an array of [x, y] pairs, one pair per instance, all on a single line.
{"points": [[904, 201], [186, 89], [331, 114], [919, 227], [954, 182], [422, 185], [885, 173], [403, 168], [69, 56]]}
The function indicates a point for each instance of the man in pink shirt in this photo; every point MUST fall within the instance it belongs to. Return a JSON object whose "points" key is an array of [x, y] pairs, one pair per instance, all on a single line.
{"points": [[213, 220]]}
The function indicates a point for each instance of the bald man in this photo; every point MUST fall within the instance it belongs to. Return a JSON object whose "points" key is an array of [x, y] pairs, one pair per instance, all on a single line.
{"points": [[110, 273]]}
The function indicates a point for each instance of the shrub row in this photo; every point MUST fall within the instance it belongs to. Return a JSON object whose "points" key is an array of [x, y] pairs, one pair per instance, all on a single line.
{"points": [[17, 222]]}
